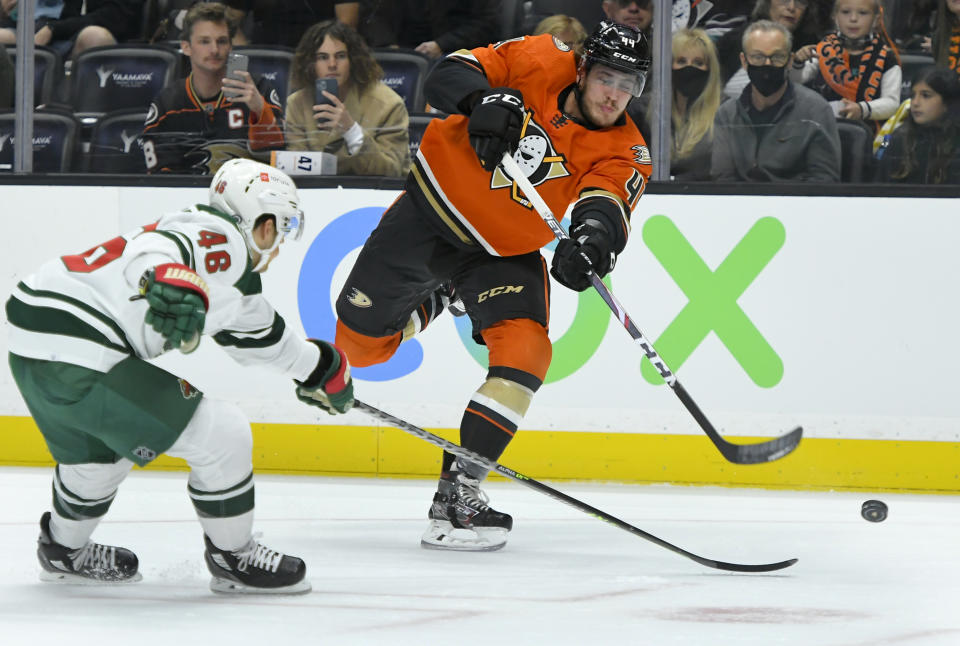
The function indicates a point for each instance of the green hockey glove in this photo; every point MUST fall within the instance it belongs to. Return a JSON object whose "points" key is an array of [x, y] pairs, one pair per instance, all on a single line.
{"points": [[177, 300]]}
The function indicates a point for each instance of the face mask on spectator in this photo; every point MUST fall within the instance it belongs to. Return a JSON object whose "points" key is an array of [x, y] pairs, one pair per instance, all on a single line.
{"points": [[690, 81], [767, 78]]}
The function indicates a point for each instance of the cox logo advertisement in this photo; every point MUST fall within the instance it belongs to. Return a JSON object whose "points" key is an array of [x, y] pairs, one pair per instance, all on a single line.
{"points": [[712, 302]]}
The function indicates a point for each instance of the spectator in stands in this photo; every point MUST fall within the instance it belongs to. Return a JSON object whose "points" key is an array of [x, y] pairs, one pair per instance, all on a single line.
{"points": [[716, 17], [855, 69], [365, 124], [912, 30], [64, 26], [797, 16], [7, 80], [926, 148], [776, 130], [946, 36], [198, 123], [633, 13], [696, 97], [283, 22], [567, 29], [433, 27]]}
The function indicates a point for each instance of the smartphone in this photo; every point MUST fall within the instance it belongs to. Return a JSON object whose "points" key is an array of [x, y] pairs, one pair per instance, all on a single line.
{"points": [[329, 85], [235, 63]]}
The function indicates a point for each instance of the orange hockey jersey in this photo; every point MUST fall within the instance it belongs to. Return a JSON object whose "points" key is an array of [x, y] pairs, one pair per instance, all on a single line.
{"points": [[565, 160]]}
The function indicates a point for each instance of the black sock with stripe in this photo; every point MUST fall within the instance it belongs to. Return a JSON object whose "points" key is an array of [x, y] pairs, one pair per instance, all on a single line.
{"points": [[493, 415]]}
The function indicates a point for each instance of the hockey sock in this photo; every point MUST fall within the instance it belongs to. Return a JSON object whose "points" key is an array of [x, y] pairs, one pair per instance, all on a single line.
{"points": [[226, 515], [70, 532], [82, 494], [491, 419], [229, 534], [426, 312]]}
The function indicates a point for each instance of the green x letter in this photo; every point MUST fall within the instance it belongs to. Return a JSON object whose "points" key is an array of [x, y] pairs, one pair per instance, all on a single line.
{"points": [[713, 298]]}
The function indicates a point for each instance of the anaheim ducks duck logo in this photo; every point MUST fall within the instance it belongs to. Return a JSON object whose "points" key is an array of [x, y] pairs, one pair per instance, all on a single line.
{"points": [[359, 299], [536, 156]]}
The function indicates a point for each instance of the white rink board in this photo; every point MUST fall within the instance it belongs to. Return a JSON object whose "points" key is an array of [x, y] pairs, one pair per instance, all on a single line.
{"points": [[859, 304]]}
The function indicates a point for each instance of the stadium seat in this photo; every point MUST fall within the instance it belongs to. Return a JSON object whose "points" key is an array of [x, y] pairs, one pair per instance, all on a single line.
{"points": [[271, 63], [47, 73], [54, 141], [104, 79], [418, 124], [912, 64], [856, 151], [115, 145], [404, 72]]}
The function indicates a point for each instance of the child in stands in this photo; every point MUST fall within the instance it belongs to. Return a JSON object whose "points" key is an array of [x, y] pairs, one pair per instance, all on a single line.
{"points": [[926, 148], [857, 69]]}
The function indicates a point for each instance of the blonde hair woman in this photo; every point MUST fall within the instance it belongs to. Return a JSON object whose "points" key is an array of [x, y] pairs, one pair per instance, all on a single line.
{"points": [[697, 92], [566, 29]]}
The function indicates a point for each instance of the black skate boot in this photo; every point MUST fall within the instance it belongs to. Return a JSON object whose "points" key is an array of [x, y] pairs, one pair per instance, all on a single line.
{"points": [[461, 519], [91, 564], [255, 569]]}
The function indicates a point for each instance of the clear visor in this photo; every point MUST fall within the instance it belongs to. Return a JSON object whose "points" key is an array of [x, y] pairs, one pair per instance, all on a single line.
{"points": [[291, 226], [630, 82]]}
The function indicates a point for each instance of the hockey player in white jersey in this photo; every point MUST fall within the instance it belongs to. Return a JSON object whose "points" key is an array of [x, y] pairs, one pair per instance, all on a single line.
{"points": [[80, 330]]}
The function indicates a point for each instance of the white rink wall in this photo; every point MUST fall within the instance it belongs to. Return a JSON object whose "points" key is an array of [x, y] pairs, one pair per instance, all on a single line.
{"points": [[858, 304]]}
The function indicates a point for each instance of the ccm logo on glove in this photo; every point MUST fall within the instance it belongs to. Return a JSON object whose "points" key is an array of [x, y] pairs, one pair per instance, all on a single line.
{"points": [[495, 124], [509, 99]]}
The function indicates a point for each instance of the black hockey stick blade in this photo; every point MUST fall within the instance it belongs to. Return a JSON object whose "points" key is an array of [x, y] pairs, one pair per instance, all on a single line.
{"points": [[467, 454], [756, 453], [759, 452]]}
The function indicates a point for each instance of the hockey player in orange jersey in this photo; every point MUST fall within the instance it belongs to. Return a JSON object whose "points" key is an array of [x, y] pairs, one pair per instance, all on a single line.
{"points": [[463, 228]]}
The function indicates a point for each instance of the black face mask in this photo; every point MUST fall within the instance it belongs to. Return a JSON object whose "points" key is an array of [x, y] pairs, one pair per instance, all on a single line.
{"points": [[767, 78], [690, 81]]}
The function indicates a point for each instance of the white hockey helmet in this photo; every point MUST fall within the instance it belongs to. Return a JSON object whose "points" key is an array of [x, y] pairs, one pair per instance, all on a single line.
{"points": [[247, 190]]}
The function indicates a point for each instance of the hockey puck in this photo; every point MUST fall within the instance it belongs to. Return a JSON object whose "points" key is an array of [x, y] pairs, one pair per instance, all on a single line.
{"points": [[874, 510]]}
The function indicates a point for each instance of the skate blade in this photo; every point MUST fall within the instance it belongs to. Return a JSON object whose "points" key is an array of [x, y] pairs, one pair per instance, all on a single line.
{"points": [[65, 578], [226, 586], [441, 535]]}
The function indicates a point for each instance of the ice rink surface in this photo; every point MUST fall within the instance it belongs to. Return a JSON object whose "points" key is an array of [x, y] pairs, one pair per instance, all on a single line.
{"points": [[564, 577]]}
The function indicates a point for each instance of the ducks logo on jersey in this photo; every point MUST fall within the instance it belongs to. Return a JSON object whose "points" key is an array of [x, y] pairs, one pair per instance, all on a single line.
{"points": [[536, 156]]}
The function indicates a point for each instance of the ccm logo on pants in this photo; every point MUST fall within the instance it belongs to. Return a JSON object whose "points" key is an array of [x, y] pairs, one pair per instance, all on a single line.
{"points": [[496, 291]]}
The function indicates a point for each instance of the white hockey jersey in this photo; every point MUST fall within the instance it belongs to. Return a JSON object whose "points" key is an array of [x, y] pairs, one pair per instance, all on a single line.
{"points": [[77, 308]]}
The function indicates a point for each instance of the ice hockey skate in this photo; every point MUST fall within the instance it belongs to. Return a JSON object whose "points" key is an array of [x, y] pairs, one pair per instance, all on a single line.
{"points": [[255, 569], [88, 565], [461, 519]]}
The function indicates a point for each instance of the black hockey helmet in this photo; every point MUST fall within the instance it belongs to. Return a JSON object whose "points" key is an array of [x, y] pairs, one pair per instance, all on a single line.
{"points": [[619, 47]]}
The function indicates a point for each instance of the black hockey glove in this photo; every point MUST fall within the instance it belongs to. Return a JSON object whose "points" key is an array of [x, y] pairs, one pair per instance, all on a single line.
{"points": [[588, 249], [329, 386], [177, 300], [495, 124]]}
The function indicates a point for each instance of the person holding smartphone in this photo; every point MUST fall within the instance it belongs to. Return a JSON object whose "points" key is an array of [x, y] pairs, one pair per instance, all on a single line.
{"points": [[219, 112], [340, 105]]}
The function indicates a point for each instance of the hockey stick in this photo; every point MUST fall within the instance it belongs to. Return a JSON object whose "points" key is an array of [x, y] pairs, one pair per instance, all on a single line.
{"points": [[737, 453], [487, 463]]}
